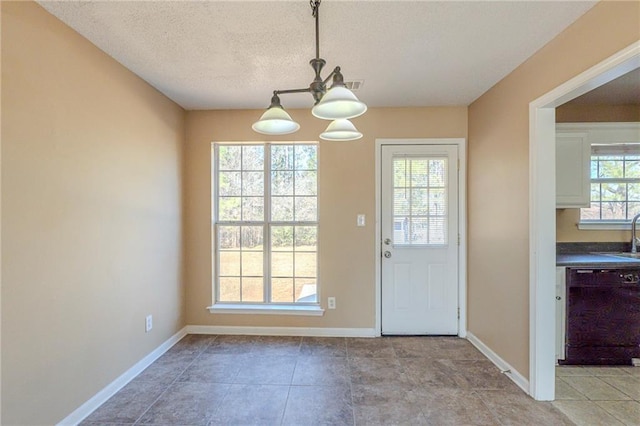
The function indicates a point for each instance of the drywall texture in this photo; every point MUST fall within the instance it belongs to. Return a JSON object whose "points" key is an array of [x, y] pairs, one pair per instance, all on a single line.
{"points": [[597, 113], [91, 199], [498, 197], [346, 188]]}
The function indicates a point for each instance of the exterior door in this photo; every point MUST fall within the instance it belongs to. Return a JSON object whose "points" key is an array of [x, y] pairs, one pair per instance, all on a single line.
{"points": [[419, 229]]}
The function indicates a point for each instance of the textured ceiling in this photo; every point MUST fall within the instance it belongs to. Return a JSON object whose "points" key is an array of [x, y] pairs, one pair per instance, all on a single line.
{"points": [[233, 54]]}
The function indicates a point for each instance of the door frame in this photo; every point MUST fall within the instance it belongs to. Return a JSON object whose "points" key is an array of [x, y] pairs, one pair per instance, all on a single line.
{"points": [[542, 206], [461, 143]]}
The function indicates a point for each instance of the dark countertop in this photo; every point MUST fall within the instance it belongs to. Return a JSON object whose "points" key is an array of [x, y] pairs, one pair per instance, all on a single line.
{"points": [[595, 260]]}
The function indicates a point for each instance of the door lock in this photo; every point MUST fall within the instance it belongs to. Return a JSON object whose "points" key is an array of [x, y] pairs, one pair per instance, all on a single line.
{"points": [[387, 254], [387, 241]]}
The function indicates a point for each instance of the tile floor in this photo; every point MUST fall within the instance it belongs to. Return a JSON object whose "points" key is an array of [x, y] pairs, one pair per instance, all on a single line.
{"points": [[260, 380], [591, 396]]}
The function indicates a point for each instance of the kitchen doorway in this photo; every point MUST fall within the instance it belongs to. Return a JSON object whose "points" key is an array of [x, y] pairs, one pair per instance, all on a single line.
{"points": [[542, 229]]}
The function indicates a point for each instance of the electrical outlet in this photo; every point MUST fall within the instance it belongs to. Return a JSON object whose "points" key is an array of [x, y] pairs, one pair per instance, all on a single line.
{"points": [[331, 302], [148, 325]]}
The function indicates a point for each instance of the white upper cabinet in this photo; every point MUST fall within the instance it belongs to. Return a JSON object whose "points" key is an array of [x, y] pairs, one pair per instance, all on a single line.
{"points": [[573, 157]]}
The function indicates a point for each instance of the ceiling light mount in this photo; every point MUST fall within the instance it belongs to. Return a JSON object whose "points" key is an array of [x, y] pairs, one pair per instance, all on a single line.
{"points": [[337, 103]]}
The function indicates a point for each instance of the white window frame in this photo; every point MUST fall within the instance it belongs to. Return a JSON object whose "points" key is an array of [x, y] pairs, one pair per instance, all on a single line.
{"points": [[269, 308], [603, 134]]}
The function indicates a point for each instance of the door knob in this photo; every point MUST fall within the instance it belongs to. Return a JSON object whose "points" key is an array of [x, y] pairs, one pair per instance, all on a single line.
{"points": [[387, 241], [387, 254]]}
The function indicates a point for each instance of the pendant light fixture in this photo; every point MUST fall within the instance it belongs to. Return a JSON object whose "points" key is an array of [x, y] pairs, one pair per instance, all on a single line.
{"points": [[338, 103]]}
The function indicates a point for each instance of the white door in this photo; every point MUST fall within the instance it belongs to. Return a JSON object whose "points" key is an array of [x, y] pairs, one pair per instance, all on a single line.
{"points": [[419, 229]]}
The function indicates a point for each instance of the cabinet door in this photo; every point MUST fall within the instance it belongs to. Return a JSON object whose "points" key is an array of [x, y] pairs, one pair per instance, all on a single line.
{"points": [[573, 157], [561, 316]]}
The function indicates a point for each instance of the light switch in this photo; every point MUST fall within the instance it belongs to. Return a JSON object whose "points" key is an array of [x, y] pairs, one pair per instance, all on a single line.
{"points": [[360, 220]]}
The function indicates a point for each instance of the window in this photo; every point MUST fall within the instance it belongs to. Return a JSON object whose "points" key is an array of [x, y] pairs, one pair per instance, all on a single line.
{"points": [[265, 223], [615, 184]]}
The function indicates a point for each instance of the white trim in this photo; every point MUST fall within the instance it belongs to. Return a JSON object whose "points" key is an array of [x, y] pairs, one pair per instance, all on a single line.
{"points": [[513, 374], [542, 210], [108, 391], [462, 223], [240, 308], [605, 226], [281, 331]]}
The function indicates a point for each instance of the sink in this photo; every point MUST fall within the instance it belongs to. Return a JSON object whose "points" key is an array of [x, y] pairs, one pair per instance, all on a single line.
{"points": [[625, 254]]}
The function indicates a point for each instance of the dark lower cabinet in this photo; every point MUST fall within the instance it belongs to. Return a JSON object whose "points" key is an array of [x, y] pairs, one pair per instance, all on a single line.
{"points": [[603, 316]]}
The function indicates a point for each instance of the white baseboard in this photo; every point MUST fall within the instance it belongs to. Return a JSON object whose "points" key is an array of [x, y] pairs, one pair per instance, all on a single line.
{"points": [[503, 365], [108, 391], [282, 331]]}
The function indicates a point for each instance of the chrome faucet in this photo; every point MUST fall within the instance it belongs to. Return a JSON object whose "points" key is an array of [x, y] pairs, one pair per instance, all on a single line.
{"points": [[634, 239]]}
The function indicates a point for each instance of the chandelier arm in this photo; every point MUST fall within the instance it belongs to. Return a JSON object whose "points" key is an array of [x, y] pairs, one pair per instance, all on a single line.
{"points": [[281, 92], [330, 76]]}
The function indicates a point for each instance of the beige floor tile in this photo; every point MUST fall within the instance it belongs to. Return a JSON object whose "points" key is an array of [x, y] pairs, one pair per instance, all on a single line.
{"points": [[595, 388], [566, 392], [607, 371], [571, 370], [586, 413], [627, 384], [628, 412]]}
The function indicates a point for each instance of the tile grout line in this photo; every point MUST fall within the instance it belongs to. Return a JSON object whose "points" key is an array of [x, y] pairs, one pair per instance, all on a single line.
{"points": [[172, 383]]}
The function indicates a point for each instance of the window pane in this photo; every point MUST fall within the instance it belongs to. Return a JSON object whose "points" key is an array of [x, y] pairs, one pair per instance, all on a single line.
{"points": [[633, 193], [253, 183], [282, 209], [229, 289], [306, 157], [306, 183], [282, 157], [253, 208], [282, 290], [437, 172], [282, 238], [252, 265], [252, 238], [400, 172], [229, 263], [632, 169], [594, 168], [229, 157], [306, 238], [282, 264], [437, 230], [419, 173], [305, 264], [252, 289], [419, 201], [306, 209], [229, 237], [419, 230], [611, 169], [401, 230], [437, 202], [306, 290], [613, 210], [634, 209], [229, 183], [595, 192], [614, 191], [400, 202], [253, 158], [229, 208], [282, 183]]}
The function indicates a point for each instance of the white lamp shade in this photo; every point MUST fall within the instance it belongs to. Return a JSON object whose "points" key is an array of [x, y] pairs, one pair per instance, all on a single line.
{"points": [[275, 121], [339, 102], [341, 130]]}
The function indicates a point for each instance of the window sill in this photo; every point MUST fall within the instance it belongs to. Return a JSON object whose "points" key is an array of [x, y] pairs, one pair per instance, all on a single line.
{"points": [[605, 226], [242, 308]]}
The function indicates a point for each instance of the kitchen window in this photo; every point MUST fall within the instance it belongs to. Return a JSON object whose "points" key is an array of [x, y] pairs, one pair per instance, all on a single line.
{"points": [[265, 228], [615, 185]]}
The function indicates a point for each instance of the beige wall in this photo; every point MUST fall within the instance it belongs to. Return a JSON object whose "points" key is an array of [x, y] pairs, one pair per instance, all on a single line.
{"points": [[498, 273], [346, 188], [597, 113], [91, 200], [567, 230]]}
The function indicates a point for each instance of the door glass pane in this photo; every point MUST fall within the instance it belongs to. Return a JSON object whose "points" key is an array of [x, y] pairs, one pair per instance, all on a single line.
{"points": [[420, 201]]}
